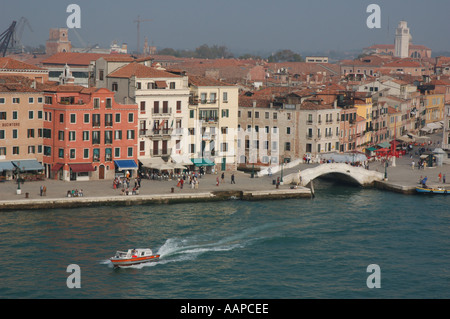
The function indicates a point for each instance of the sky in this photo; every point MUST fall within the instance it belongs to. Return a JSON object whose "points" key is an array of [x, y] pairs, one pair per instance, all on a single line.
{"points": [[244, 26]]}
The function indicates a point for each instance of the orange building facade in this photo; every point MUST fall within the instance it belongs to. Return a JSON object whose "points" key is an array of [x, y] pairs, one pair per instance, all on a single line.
{"points": [[87, 135]]}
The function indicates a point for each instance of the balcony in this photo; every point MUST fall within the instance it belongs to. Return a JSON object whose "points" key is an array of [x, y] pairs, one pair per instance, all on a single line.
{"points": [[161, 151], [309, 136], [309, 122], [162, 112]]}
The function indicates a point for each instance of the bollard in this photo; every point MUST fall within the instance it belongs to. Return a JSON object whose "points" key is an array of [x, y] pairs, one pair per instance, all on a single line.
{"points": [[26, 195], [171, 190]]}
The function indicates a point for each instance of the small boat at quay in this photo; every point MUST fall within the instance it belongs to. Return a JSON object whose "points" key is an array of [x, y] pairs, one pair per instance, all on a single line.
{"points": [[428, 190], [133, 257]]}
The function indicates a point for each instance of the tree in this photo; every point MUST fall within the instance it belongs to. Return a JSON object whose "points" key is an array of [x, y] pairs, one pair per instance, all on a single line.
{"points": [[285, 56]]}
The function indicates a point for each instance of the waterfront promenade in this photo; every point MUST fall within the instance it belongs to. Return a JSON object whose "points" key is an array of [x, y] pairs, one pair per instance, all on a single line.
{"points": [[401, 178]]}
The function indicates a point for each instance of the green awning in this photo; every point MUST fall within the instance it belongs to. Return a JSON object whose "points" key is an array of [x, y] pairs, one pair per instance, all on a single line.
{"points": [[371, 149], [202, 162], [28, 165], [385, 145], [6, 166]]}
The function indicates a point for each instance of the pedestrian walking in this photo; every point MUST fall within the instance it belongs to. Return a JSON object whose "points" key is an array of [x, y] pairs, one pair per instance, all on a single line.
{"points": [[223, 177], [41, 190], [181, 183], [217, 181], [443, 178], [232, 179], [440, 177], [412, 165], [45, 190]]}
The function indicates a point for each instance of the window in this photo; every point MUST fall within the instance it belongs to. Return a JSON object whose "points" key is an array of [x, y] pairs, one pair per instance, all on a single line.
{"points": [[16, 100], [2, 115], [86, 118], [249, 114], [288, 130], [40, 115], [73, 118], [287, 146], [256, 115], [100, 75], [31, 100], [2, 150], [191, 114], [172, 85], [108, 120], [14, 115], [108, 137], [138, 85], [96, 103], [275, 115], [225, 97], [130, 117], [30, 133], [95, 137], [72, 153], [178, 106], [212, 98], [86, 153], [47, 151], [108, 154], [61, 153], [48, 100], [115, 87], [203, 98], [96, 155], [15, 133], [2, 134], [118, 135], [85, 135], [130, 134], [31, 149], [165, 107], [156, 107], [2, 100], [15, 150], [30, 115], [72, 135], [95, 120], [130, 152], [61, 118], [117, 152], [108, 104], [224, 147], [117, 117], [142, 106]]}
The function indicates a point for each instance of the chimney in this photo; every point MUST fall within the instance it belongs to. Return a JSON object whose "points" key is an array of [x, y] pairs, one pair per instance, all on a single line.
{"points": [[254, 103]]}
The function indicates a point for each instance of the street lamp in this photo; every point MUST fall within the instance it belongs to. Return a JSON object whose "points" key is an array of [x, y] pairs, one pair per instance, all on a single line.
{"points": [[17, 172], [282, 165]]}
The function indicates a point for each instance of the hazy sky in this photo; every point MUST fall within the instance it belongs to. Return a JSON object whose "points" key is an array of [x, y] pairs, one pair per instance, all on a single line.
{"points": [[241, 25]]}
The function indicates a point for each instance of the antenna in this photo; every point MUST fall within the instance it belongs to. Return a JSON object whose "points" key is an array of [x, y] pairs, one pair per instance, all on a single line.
{"points": [[138, 21]]}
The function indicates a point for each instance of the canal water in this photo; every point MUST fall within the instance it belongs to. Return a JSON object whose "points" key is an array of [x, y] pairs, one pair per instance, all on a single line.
{"points": [[304, 248]]}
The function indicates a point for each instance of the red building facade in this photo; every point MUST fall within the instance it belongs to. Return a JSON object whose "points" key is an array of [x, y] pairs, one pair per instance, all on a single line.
{"points": [[87, 135]]}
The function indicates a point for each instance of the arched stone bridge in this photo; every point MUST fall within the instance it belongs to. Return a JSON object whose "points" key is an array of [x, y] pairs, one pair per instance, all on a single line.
{"points": [[347, 172]]}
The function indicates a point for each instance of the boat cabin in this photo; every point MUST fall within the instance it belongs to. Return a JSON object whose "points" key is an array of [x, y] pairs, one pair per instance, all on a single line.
{"points": [[139, 252]]}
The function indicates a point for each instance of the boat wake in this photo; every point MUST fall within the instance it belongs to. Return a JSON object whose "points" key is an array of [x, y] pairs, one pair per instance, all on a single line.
{"points": [[190, 248]]}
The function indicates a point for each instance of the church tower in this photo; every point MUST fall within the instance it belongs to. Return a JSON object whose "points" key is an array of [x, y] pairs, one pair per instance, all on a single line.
{"points": [[402, 39]]}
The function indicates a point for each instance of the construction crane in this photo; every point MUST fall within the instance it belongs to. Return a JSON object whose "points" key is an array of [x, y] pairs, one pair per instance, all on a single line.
{"points": [[17, 36], [6, 38], [138, 21]]}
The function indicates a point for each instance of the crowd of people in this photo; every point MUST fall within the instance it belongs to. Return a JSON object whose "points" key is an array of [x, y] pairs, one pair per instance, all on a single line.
{"points": [[75, 193]]}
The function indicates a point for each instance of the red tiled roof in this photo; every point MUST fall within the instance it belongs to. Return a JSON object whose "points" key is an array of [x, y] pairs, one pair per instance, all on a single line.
{"points": [[205, 81], [11, 64], [140, 71], [313, 106]]}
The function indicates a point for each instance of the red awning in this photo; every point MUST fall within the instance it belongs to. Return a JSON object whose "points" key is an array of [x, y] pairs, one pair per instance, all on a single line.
{"points": [[57, 166], [85, 167]]}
